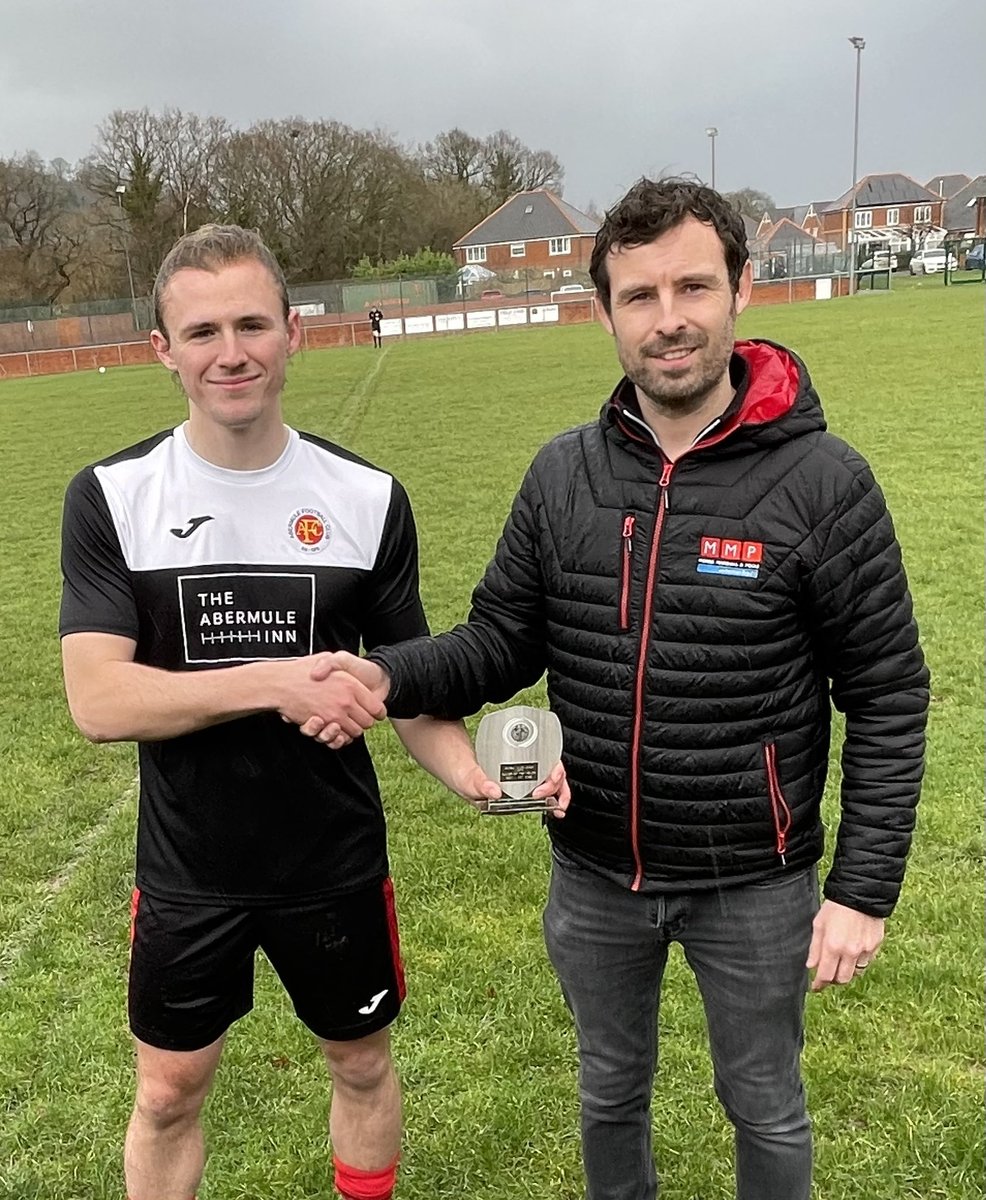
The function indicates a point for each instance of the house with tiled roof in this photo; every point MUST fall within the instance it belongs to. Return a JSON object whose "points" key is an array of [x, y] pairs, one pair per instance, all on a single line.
{"points": [[752, 227], [533, 230], [805, 216], [947, 185], [965, 211], [892, 209]]}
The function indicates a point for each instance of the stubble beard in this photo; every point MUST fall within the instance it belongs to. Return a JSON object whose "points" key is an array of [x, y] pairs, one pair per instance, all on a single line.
{"points": [[688, 393]]}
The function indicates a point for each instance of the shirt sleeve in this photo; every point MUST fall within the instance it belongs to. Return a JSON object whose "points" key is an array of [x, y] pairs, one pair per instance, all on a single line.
{"points": [[97, 593], [394, 611]]}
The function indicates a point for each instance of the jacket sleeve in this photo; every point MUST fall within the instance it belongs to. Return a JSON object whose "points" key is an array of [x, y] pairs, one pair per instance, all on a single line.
{"points": [[500, 648], [867, 641]]}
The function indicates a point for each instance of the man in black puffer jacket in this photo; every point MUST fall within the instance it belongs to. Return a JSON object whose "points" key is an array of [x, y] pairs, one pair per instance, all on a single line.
{"points": [[702, 573]]}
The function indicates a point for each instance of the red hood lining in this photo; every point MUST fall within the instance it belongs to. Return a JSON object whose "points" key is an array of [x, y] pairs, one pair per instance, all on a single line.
{"points": [[774, 380]]}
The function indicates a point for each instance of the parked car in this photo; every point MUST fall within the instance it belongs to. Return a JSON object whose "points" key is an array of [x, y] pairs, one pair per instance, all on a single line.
{"points": [[929, 262], [974, 259], [571, 287], [491, 294], [882, 260]]}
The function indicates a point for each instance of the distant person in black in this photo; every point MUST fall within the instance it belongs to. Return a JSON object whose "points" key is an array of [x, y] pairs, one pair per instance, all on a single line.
{"points": [[376, 316], [206, 569]]}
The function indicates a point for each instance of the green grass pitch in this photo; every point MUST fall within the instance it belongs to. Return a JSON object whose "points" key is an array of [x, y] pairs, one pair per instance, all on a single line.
{"points": [[485, 1047]]}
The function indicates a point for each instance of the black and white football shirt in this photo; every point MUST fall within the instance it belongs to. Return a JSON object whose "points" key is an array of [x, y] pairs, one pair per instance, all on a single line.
{"points": [[206, 567]]}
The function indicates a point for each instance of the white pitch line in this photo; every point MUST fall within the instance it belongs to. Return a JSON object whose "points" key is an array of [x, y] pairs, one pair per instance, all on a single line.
{"points": [[357, 394], [15, 946]]}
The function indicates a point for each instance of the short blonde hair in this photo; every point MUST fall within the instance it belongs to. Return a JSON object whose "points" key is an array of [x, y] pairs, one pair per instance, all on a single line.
{"points": [[209, 248]]}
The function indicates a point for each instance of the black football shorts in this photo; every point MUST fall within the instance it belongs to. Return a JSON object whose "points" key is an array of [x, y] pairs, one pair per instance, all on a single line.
{"points": [[191, 965]]}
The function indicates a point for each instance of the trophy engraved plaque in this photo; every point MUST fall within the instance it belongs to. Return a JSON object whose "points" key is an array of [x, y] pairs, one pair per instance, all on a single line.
{"points": [[517, 748]]}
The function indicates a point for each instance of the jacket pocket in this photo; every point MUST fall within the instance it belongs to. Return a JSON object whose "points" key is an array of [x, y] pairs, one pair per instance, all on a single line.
{"points": [[626, 569], [780, 812]]}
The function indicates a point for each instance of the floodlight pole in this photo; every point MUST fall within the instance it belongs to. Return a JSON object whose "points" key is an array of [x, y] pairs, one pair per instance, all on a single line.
{"points": [[120, 189], [859, 45], [712, 133]]}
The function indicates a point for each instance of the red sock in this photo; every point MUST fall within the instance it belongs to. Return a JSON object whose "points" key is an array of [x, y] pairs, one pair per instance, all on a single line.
{"points": [[353, 1184]]}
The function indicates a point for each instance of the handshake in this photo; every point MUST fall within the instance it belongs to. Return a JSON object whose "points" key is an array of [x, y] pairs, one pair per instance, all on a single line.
{"points": [[334, 697]]}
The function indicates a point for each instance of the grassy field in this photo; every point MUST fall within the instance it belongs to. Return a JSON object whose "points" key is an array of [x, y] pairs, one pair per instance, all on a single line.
{"points": [[893, 1064]]}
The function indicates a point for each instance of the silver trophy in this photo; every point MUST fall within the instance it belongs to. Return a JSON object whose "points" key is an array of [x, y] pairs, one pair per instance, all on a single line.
{"points": [[517, 748]]}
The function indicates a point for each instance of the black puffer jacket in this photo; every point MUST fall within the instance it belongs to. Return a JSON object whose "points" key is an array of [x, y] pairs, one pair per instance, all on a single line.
{"points": [[692, 618]]}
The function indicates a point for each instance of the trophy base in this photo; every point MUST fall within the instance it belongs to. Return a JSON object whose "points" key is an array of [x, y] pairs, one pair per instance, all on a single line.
{"points": [[507, 804]]}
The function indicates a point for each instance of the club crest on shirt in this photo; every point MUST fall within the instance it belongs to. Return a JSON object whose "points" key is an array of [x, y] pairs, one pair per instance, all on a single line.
{"points": [[309, 528], [729, 556]]}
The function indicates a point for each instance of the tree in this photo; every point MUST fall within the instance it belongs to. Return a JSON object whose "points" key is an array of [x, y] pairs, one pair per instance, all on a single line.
{"points": [[509, 167], [453, 155], [593, 211], [42, 232], [438, 213], [421, 263], [190, 148], [130, 154], [323, 196], [542, 170], [752, 203]]}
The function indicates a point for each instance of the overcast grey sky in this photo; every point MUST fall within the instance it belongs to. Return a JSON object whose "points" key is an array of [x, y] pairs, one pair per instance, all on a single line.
{"points": [[614, 88]]}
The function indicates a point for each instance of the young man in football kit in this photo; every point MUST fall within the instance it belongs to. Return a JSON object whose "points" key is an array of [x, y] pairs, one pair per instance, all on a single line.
{"points": [[205, 569]]}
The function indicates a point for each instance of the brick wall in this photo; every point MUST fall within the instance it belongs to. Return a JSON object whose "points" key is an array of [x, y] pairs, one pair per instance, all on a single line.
{"points": [[63, 333]]}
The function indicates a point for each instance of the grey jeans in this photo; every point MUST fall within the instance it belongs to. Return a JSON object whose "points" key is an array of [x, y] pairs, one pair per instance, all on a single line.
{"points": [[747, 948]]}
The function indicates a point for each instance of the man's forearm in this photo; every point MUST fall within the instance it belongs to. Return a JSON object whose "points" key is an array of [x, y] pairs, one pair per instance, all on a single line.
{"points": [[128, 701], [443, 748], [118, 700]]}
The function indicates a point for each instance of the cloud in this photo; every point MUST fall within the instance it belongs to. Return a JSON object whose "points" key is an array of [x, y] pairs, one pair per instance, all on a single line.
{"points": [[614, 89]]}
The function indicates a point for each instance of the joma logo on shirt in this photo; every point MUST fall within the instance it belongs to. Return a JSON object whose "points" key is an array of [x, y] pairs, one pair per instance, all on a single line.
{"points": [[729, 556]]}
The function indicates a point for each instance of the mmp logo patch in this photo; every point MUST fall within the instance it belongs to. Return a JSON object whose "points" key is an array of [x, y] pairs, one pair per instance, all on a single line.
{"points": [[729, 556]]}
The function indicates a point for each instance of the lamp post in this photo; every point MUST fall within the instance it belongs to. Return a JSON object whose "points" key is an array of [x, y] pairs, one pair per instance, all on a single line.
{"points": [[712, 133], [120, 189], [859, 45]]}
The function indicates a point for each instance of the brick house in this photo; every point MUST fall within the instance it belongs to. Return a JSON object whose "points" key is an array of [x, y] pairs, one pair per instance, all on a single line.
{"points": [[891, 210], [532, 232], [965, 210]]}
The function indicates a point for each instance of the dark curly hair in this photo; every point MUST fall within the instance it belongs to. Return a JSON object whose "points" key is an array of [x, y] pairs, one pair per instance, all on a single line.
{"points": [[652, 207]]}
